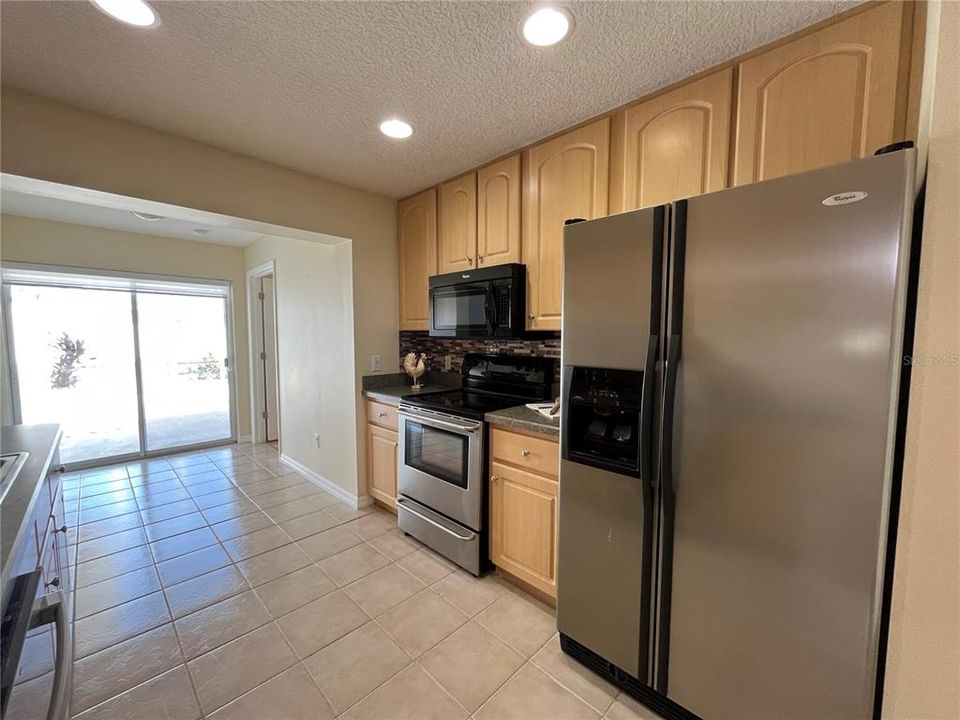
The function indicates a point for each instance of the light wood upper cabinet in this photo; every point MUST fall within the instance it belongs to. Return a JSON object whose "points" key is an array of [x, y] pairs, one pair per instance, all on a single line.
{"points": [[566, 177], [498, 213], [382, 464], [457, 224], [417, 238], [829, 97], [674, 145]]}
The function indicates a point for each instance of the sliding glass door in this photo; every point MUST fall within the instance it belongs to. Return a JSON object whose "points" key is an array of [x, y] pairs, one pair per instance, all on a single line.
{"points": [[186, 389], [128, 366]]}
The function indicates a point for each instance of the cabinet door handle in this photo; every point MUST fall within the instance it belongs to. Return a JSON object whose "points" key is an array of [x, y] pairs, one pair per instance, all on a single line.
{"points": [[469, 259], [531, 316], [524, 453], [494, 478], [382, 415], [55, 583], [480, 258]]}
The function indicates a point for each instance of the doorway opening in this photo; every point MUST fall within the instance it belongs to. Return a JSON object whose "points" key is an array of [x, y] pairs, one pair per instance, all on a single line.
{"points": [[261, 291], [128, 365]]}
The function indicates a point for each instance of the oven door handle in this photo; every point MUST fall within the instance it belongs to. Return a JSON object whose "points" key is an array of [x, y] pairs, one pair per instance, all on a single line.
{"points": [[52, 609], [409, 508], [435, 422]]}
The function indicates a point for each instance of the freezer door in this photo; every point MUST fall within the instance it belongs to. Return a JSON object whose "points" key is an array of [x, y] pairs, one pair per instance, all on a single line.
{"points": [[611, 316], [783, 431]]}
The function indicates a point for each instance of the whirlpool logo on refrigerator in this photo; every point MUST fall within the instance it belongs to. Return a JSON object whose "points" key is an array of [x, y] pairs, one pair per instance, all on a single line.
{"points": [[844, 198]]}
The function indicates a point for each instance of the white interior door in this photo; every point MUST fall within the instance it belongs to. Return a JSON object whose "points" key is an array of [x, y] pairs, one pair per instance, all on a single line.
{"points": [[268, 358]]}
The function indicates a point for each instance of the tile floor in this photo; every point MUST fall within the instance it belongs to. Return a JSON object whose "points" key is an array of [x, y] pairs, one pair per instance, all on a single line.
{"points": [[222, 585]]}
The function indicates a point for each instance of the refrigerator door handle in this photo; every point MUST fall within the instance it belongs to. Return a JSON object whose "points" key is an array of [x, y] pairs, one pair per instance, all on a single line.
{"points": [[669, 400], [646, 412]]}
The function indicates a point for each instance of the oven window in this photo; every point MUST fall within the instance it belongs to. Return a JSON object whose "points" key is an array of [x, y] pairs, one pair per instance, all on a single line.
{"points": [[436, 452], [459, 306]]}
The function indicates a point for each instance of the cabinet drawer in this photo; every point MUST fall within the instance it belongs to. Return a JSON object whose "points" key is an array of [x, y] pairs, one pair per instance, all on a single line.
{"points": [[382, 414], [537, 454]]}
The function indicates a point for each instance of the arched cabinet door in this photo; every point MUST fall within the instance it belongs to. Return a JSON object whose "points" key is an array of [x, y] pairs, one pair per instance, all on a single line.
{"points": [[566, 177], [457, 224], [675, 145], [829, 97], [417, 246], [498, 212]]}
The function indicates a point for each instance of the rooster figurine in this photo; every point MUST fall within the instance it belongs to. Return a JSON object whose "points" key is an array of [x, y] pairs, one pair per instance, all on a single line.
{"points": [[415, 366]]}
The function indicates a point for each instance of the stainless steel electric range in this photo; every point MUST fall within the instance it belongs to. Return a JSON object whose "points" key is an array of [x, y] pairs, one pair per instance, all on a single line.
{"points": [[442, 453]]}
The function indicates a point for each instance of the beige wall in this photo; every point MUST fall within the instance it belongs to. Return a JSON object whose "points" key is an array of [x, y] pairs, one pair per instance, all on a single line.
{"points": [[923, 665], [55, 142], [56, 243], [314, 354]]}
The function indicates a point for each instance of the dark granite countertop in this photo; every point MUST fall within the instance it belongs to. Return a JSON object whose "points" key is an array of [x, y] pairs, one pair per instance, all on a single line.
{"points": [[523, 418], [393, 393], [21, 498]]}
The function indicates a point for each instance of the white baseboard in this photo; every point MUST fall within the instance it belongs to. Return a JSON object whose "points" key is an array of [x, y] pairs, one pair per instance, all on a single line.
{"points": [[331, 487]]}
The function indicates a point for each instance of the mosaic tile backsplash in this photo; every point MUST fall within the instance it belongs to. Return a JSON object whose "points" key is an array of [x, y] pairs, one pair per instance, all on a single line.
{"points": [[437, 348]]}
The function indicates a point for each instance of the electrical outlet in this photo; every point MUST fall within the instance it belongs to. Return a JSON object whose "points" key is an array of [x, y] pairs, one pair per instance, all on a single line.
{"points": [[447, 362], [316, 439], [376, 363]]}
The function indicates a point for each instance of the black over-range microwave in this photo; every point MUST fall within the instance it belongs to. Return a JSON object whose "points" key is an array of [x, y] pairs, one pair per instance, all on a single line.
{"points": [[485, 303]]}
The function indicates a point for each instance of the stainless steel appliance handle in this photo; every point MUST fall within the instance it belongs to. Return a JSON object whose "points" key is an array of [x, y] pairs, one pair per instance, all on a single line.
{"points": [[409, 508], [436, 422], [47, 610], [63, 671]]}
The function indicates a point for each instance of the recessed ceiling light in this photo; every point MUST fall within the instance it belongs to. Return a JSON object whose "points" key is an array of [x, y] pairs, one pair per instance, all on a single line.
{"points": [[546, 26], [131, 12], [146, 216], [397, 129]]}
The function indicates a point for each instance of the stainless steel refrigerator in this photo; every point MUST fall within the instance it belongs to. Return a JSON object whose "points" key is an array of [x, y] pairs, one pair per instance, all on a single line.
{"points": [[730, 386]]}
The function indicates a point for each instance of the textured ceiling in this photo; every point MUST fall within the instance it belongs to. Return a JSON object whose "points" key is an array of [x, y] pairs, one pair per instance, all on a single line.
{"points": [[304, 84]]}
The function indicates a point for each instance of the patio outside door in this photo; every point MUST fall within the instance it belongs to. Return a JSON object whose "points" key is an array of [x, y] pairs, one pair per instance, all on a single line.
{"points": [[128, 366]]}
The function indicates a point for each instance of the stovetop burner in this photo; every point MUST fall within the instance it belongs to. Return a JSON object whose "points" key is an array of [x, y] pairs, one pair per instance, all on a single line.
{"points": [[492, 382], [463, 402]]}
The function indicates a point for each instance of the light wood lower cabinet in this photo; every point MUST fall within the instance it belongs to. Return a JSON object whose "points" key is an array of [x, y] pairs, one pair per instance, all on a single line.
{"points": [[382, 465], [523, 516], [382, 452]]}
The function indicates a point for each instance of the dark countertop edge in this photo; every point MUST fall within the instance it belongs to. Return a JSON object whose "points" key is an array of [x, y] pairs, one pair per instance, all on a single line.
{"points": [[29, 469], [393, 393], [521, 417]]}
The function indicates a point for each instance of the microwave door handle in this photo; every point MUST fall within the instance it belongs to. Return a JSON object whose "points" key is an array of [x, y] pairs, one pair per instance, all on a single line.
{"points": [[491, 310]]}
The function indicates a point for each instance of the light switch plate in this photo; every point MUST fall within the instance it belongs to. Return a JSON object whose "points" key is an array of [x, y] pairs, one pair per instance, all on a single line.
{"points": [[376, 363]]}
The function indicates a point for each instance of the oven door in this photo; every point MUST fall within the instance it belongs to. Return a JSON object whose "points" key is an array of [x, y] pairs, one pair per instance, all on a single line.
{"points": [[464, 309], [440, 464], [37, 657]]}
